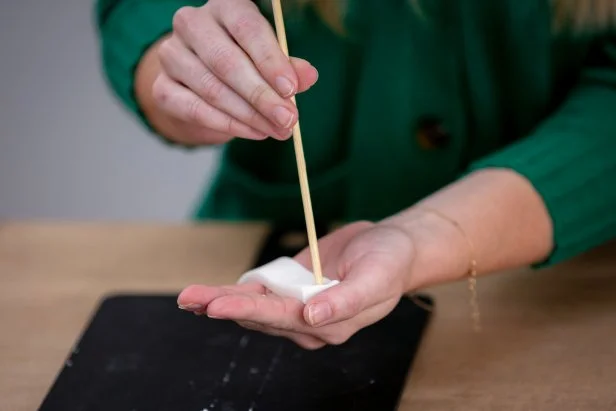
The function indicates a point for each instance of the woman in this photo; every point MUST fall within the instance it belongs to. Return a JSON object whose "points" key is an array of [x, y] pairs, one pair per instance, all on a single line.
{"points": [[479, 136]]}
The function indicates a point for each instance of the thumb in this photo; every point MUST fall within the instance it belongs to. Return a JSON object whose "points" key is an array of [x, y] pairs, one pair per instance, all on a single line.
{"points": [[341, 302], [306, 73]]}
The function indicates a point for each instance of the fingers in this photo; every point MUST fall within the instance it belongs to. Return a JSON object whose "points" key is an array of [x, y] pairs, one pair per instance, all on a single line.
{"points": [[256, 37], [269, 310], [340, 332], [342, 302], [364, 286], [306, 72], [197, 297], [229, 63], [185, 68], [248, 306], [189, 134], [227, 54], [303, 340], [332, 334], [185, 105]]}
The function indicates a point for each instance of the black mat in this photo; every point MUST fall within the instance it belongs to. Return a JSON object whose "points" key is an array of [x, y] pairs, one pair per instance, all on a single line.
{"points": [[142, 353]]}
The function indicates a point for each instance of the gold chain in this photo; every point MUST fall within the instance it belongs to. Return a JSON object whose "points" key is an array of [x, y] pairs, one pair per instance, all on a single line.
{"points": [[474, 302], [472, 271]]}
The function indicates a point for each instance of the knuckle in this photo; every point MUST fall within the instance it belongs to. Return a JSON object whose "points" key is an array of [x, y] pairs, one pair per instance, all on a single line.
{"points": [[211, 87], [165, 50], [257, 95], [216, 3], [221, 59], [253, 117], [266, 57], [231, 126], [229, 6], [194, 110], [160, 92], [245, 27], [182, 18]]}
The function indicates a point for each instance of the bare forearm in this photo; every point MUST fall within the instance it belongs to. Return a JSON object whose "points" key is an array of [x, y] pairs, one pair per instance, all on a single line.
{"points": [[500, 213]]}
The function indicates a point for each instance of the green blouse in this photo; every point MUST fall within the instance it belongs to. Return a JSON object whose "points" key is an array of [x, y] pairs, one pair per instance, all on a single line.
{"points": [[407, 103]]}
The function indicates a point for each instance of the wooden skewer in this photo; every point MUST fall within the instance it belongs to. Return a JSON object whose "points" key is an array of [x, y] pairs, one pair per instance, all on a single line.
{"points": [[299, 156]]}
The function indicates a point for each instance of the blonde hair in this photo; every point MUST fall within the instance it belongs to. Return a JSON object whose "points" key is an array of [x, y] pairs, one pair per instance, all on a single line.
{"points": [[573, 15], [584, 15]]}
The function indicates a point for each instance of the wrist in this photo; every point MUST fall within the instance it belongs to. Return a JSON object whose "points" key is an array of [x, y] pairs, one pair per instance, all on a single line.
{"points": [[442, 252]]}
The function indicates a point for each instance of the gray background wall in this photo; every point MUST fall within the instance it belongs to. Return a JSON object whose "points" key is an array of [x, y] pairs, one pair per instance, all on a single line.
{"points": [[67, 149]]}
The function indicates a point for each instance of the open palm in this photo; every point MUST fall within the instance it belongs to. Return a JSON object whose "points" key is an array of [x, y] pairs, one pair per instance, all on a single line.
{"points": [[372, 262]]}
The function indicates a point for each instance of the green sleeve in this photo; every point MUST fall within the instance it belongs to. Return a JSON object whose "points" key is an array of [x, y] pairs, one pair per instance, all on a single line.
{"points": [[127, 28], [571, 160]]}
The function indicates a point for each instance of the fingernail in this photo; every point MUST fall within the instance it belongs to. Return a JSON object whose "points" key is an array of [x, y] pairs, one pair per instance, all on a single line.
{"points": [[283, 117], [285, 86], [316, 73], [190, 307], [319, 312]]}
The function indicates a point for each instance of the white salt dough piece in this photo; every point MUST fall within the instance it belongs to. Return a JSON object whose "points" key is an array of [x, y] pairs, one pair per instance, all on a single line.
{"points": [[287, 278]]}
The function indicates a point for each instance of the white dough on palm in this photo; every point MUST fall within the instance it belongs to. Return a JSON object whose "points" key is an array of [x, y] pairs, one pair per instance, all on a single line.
{"points": [[287, 278]]}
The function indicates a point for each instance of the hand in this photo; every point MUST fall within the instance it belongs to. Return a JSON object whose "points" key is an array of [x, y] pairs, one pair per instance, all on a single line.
{"points": [[373, 262], [498, 211], [221, 74]]}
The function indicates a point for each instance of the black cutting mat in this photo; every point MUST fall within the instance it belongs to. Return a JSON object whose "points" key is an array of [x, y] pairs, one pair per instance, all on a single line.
{"points": [[142, 353]]}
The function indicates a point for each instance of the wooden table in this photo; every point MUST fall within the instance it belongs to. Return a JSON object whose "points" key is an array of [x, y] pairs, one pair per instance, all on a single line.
{"points": [[549, 339]]}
